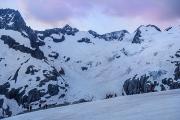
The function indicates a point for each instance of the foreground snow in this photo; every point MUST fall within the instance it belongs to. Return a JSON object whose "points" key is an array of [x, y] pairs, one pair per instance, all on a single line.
{"points": [[156, 106]]}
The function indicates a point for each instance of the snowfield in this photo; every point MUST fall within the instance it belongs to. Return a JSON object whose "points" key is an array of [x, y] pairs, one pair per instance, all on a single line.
{"points": [[151, 106]]}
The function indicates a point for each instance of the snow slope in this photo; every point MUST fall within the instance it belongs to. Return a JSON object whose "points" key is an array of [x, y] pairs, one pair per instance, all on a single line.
{"points": [[151, 106], [108, 64]]}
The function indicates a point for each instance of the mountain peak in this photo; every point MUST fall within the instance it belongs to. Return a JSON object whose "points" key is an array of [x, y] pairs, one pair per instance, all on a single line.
{"points": [[144, 29], [116, 35], [67, 29], [11, 19], [148, 28]]}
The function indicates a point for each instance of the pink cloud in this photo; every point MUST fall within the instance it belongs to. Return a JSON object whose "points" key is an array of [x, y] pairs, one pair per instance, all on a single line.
{"points": [[55, 10], [60, 10], [147, 9]]}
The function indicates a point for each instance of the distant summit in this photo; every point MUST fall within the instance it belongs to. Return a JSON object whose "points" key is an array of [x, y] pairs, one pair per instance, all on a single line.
{"points": [[144, 29], [11, 19]]}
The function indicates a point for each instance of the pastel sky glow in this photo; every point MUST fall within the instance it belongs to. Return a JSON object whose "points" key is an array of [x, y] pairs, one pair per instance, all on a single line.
{"points": [[99, 15]]}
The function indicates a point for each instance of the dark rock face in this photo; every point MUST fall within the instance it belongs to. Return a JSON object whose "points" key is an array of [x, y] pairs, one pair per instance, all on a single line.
{"points": [[37, 53], [16, 95], [62, 71], [60, 31], [67, 59], [138, 85], [35, 95], [35, 42], [93, 33], [144, 85], [48, 32], [31, 70], [69, 30], [7, 111], [169, 28], [158, 29], [177, 71], [173, 84], [80, 101], [84, 68], [59, 40], [13, 93], [51, 75], [110, 95], [1, 103], [54, 55], [85, 40], [137, 38], [53, 89], [10, 16], [4, 88], [117, 35], [16, 75], [177, 53], [162, 87]]}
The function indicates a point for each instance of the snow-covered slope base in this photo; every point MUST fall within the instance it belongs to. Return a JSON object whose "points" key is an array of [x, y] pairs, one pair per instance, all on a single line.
{"points": [[151, 106]]}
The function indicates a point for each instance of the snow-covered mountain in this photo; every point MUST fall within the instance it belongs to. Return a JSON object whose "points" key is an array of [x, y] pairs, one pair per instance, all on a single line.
{"points": [[65, 65]]}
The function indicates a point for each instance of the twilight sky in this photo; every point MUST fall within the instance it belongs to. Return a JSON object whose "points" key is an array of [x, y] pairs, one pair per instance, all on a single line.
{"points": [[99, 15]]}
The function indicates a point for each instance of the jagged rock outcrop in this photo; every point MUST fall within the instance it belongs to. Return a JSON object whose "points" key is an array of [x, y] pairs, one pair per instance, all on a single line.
{"points": [[60, 31], [138, 85], [117, 35], [85, 40], [37, 53], [137, 37], [11, 19]]}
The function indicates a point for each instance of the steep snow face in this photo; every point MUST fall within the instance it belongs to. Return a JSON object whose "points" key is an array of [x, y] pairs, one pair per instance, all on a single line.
{"points": [[156, 106], [96, 67], [65, 65]]}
